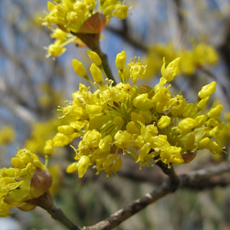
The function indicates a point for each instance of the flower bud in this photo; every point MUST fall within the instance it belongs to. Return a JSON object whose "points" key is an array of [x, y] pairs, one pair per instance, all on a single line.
{"points": [[203, 143], [214, 147], [118, 121], [72, 168], [217, 130], [60, 140], [186, 125], [50, 6], [142, 101], [144, 152], [112, 164], [211, 122], [202, 103], [163, 122], [120, 60], [137, 117], [40, 182], [17, 162], [78, 68], [93, 109], [116, 165], [171, 70], [122, 139], [83, 165], [106, 143], [96, 73], [66, 129], [207, 90], [215, 112], [131, 128], [200, 120], [94, 57]]}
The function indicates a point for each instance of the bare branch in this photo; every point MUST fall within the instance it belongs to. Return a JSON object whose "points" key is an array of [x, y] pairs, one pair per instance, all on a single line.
{"points": [[45, 201], [165, 188], [169, 171]]}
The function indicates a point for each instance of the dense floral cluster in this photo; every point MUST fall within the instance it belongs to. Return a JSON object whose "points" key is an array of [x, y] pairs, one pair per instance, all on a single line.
{"points": [[67, 17], [200, 55], [20, 183], [144, 122]]}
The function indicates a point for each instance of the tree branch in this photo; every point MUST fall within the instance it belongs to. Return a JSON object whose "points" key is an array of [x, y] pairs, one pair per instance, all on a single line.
{"points": [[174, 180], [45, 201], [185, 180]]}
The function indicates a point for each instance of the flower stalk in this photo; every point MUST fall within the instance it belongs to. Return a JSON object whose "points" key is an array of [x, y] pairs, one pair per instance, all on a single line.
{"points": [[45, 202]]}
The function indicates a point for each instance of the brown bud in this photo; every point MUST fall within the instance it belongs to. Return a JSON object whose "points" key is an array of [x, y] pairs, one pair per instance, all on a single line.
{"points": [[188, 157], [40, 182]]}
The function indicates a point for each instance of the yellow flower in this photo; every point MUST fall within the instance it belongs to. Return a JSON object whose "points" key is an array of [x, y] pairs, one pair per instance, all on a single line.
{"points": [[96, 73], [171, 70], [186, 125], [200, 55], [78, 68], [120, 60], [207, 90], [144, 151], [94, 57], [215, 112], [55, 49], [163, 122], [83, 165], [7, 135], [141, 121], [68, 17], [136, 69], [27, 180]]}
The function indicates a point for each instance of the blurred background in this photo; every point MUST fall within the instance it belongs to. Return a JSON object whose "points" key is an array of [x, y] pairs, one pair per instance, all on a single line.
{"points": [[33, 86]]}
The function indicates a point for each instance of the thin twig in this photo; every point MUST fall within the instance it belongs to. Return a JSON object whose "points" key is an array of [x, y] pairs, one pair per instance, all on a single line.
{"points": [[105, 63], [58, 214], [45, 201], [165, 188], [169, 171]]}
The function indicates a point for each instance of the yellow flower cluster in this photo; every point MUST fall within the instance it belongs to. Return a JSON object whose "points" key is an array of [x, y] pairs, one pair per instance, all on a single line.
{"points": [[191, 60], [21, 183], [7, 135], [41, 132], [144, 122], [69, 16]]}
